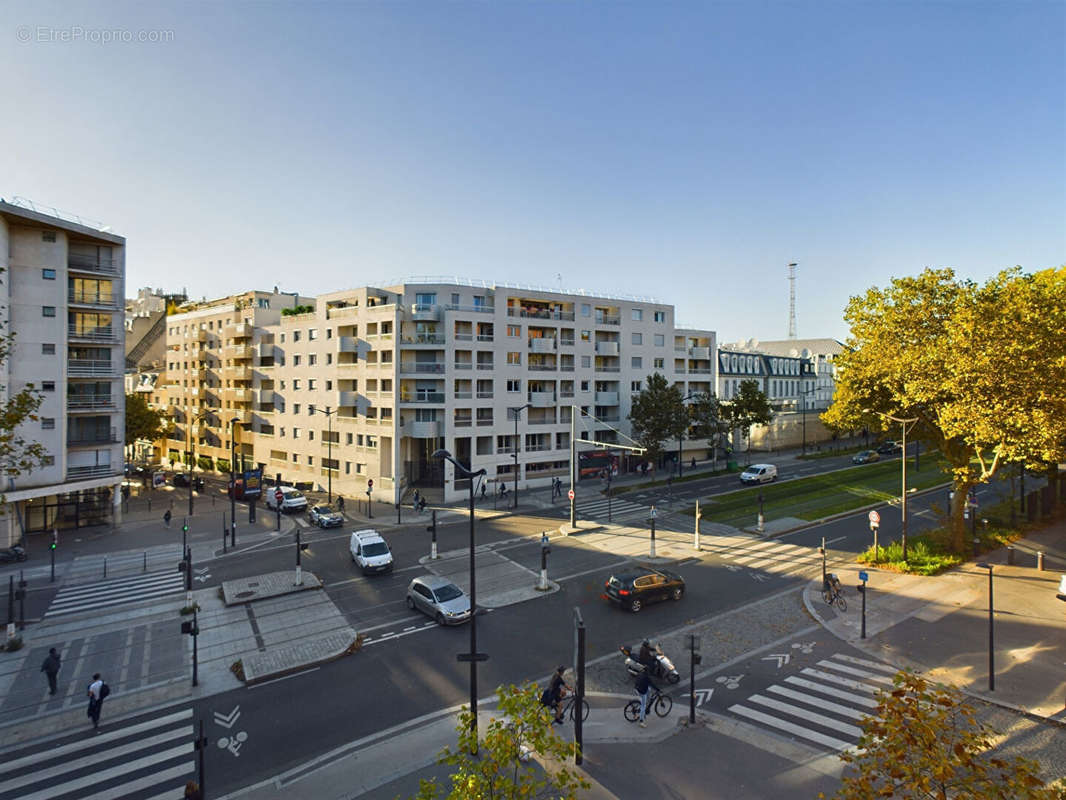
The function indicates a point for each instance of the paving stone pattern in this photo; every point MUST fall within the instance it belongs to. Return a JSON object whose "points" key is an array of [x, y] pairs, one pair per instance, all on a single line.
{"points": [[280, 661], [272, 584]]}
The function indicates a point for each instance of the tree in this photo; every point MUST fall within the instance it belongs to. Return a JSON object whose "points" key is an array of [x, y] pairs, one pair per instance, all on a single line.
{"points": [[923, 741], [501, 770], [708, 419], [658, 415], [980, 367], [142, 421], [17, 454], [749, 407]]}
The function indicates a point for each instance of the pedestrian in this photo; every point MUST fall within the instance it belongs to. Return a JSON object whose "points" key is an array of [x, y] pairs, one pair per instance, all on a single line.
{"points": [[50, 667], [483, 488], [98, 692], [340, 503], [643, 684], [166, 517], [192, 791], [421, 504], [417, 498], [693, 465]]}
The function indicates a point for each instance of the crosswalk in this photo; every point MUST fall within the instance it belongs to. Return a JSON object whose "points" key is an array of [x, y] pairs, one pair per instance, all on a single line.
{"points": [[597, 509], [109, 593], [767, 555], [823, 704], [147, 758], [91, 568]]}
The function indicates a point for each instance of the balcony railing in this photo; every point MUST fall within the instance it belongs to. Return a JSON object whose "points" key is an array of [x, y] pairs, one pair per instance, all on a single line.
{"points": [[422, 396], [92, 437], [485, 422], [77, 402], [462, 422], [425, 311], [606, 369], [542, 344], [422, 368], [566, 342], [606, 320], [91, 263], [486, 337], [77, 368], [485, 395], [95, 334], [543, 368], [486, 365], [543, 422], [424, 338], [463, 395], [463, 365], [475, 309], [95, 471], [105, 299], [539, 313]]}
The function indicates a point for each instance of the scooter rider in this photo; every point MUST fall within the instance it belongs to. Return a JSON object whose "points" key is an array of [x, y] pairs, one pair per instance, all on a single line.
{"points": [[647, 655]]}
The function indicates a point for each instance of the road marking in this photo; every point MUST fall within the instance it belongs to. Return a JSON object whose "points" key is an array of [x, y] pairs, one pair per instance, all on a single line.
{"points": [[283, 678], [847, 683], [858, 699], [788, 727], [228, 720], [780, 658], [859, 673], [573, 575], [862, 662], [807, 715], [702, 695], [114, 772], [817, 702]]}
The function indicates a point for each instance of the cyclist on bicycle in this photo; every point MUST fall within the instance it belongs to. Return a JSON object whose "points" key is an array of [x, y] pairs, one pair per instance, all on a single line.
{"points": [[644, 683], [832, 584], [554, 694]]}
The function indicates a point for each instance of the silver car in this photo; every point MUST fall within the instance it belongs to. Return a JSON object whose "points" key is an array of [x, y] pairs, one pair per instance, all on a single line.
{"points": [[325, 517], [440, 599]]}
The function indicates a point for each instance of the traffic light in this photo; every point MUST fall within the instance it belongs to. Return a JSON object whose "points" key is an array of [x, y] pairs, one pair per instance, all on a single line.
{"points": [[185, 527]]}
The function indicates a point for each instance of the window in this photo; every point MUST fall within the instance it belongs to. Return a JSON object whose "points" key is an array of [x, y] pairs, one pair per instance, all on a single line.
{"points": [[295, 408], [349, 439], [586, 362], [312, 359], [295, 433], [634, 386], [48, 386], [312, 334], [586, 336], [310, 435], [638, 314], [48, 349], [348, 467], [295, 383], [48, 236], [586, 310], [329, 386], [48, 423], [426, 298], [48, 311], [311, 384], [514, 358], [660, 340], [660, 316], [295, 458], [638, 338], [48, 274], [658, 363], [295, 336], [329, 358], [455, 298], [514, 385], [514, 330], [283, 338], [636, 362], [296, 361], [479, 301], [329, 333], [584, 386], [310, 410]]}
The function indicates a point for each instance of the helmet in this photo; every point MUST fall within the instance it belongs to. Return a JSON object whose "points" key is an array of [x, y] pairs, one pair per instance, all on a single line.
{"points": [[561, 668], [645, 643]]}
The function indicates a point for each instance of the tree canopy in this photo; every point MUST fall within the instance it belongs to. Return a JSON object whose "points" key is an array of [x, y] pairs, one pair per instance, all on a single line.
{"points": [[658, 415], [142, 421], [707, 417], [981, 368], [750, 406], [18, 454]]}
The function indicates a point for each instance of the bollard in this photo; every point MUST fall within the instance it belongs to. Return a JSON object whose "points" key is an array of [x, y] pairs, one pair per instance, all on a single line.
{"points": [[145, 567], [1010, 554], [149, 503], [105, 566], [976, 542], [1040, 560]]}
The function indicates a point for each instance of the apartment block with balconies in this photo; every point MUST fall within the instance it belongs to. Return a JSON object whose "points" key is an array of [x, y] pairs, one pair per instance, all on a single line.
{"points": [[64, 283]]}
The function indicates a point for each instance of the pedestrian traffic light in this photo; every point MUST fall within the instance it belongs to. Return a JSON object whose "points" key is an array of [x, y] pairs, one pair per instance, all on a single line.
{"points": [[185, 528]]}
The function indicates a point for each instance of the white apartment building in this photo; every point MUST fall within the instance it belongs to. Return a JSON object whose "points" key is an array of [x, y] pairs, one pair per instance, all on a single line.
{"points": [[821, 353], [368, 383], [63, 302]]}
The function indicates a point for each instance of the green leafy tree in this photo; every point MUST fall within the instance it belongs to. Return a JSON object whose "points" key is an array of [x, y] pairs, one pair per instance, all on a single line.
{"points": [[708, 419], [750, 406], [142, 421], [980, 367], [503, 768], [658, 415], [18, 454], [924, 742]]}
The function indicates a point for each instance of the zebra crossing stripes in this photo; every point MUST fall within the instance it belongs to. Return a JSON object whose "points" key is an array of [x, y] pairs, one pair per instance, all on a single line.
{"points": [[152, 757], [105, 594], [780, 558], [618, 507], [824, 704]]}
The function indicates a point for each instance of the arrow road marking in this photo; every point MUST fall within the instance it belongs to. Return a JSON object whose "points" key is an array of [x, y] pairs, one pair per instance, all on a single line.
{"points": [[702, 695], [201, 571], [228, 720], [780, 658], [758, 576]]}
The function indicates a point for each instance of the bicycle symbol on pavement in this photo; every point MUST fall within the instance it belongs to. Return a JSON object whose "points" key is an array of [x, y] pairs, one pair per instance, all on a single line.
{"points": [[804, 647], [730, 681], [233, 744]]}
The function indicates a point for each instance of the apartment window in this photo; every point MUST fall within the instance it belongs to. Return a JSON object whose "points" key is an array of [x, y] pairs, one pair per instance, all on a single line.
{"points": [[455, 298], [586, 362], [586, 336], [295, 408], [283, 386], [48, 349], [638, 314], [295, 384], [634, 386], [311, 384], [310, 435], [312, 334], [514, 358], [660, 340], [295, 458], [329, 385], [514, 385], [296, 361], [48, 274], [636, 362], [48, 386], [310, 410], [48, 423], [295, 336], [584, 386], [426, 298], [282, 432], [514, 330], [295, 433], [312, 359], [349, 439], [48, 311], [329, 358], [48, 236], [329, 333], [637, 338], [283, 338], [660, 316], [348, 467], [479, 301], [586, 310], [658, 363]]}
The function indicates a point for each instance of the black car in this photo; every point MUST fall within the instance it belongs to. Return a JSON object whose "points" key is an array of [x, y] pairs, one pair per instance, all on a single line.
{"points": [[182, 479], [638, 586], [888, 448]]}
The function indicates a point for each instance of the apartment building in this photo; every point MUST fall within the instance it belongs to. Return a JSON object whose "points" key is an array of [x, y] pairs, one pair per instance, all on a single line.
{"points": [[368, 383], [821, 352], [63, 302], [787, 381]]}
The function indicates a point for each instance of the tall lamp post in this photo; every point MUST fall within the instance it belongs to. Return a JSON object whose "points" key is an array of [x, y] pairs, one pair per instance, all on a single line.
{"points": [[991, 646], [803, 399], [904, 424], [329, 450], [681, 433], [189, 453], [517, 411], [473, 656], [233, 483]]}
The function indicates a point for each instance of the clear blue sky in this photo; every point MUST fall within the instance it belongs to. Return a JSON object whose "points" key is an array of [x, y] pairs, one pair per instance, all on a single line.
{"points": [[686, 151]]}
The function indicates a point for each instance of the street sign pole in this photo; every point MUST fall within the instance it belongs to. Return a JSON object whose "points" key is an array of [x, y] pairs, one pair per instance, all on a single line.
{"points": [[863, 576], [875, 522]]}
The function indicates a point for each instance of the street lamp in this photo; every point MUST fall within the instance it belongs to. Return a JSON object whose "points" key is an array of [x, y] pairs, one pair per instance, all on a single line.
{"points": [[233, 483], [991, 647], [189, 451], [329, 450], [474, 656], [681, 433], [803, 399], [904, 423], [517, 411]]}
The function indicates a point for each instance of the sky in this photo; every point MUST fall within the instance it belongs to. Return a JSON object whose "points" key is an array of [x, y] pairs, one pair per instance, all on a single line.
{"points": [[682, 151]]}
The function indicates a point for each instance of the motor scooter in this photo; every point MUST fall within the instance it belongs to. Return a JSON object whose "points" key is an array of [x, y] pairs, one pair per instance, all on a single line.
{"points": [[662, 667], [12, 554]]}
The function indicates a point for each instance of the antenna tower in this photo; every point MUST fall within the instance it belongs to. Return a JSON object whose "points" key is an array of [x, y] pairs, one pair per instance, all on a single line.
{"points": [[792, 299]]}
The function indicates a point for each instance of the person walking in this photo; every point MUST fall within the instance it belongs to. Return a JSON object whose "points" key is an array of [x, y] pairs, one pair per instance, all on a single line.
{"points": [[50, 667], [166, 517], [98, 691], [416, 500], [340, 504], [483, 487]]}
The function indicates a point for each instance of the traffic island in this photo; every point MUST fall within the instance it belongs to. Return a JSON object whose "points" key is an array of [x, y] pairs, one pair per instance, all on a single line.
{"points": [[279, 661], [272, 584]]}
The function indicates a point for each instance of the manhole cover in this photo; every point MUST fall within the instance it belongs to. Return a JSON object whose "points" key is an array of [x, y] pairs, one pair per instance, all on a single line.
{"points": [[241, 595]]}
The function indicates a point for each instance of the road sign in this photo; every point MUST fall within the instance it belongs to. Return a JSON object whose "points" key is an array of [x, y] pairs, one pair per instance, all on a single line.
{"points": [[279, 495], [875, 518], [864, 576], [570, 494]]}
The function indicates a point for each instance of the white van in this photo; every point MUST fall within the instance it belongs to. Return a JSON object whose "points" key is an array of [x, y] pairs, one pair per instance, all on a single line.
{"points": [[759, 473], [291, 500], [370, 551]]}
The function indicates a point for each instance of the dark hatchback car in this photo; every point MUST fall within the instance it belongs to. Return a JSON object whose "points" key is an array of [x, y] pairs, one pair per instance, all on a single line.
{"points": [[636, 587], [180, 479]]}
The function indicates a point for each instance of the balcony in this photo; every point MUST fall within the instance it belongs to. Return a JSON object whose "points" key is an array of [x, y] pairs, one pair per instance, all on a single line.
{"points": [[239, 330], [703, 353], [266, 396], [542, 344], [462, 422], [542, 399], [699, 370], [486, 337], [90, 402], [95, 471], [474, 309], [241, 373], [92, 334], [608, 320], [76, 438], [463, 395], [566, 393], [605, 368], [92, 263], [422, 368], [485, 395], [539, 313], [606, 348], [422, 396], [547, 421], [606, 398], [566, 342], [347, 344], [238, 351], [97, 299], [423, 312], [486, 365], [347, 399], [201, 335], [484, 422], [242, 416], [84, 368], [240, 395], [549, 367], [432, 339], [462, 365], [424, 430]]}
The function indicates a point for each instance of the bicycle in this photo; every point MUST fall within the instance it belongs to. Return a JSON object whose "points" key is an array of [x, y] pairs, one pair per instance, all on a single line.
{"points": [[570, 708], [833, 593], [659, 703]]}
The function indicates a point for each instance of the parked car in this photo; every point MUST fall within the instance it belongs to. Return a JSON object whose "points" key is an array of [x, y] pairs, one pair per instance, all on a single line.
{"points": [[438, 598], [291, 500], [636, 587], [889, 448], [865, 457], [325, 517], [182, 479], [370, 551], [759, 473]]}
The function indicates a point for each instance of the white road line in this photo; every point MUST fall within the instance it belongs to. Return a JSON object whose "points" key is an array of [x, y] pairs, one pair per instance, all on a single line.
{"points": [[283, 678], [862, 662], [859, 673], [573, 575], [859, 699], [845, 682], [115, 602], [390, 636], [107, 774], [806, 715], [788, 727], [172, 774], [112, 586], [817, 702]]}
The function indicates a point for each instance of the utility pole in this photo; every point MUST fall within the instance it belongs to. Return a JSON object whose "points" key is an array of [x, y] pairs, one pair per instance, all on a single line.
{"points": [[696, 538], [579, 701]]}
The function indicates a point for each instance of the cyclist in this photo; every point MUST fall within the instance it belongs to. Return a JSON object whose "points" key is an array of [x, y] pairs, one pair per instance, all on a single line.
{"points": [[644, 683], [554, 694]]}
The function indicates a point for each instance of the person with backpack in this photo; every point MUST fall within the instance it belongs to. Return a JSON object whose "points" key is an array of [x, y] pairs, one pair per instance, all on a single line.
{"points": [[552, 697], [50, 667], [98, 692]]}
